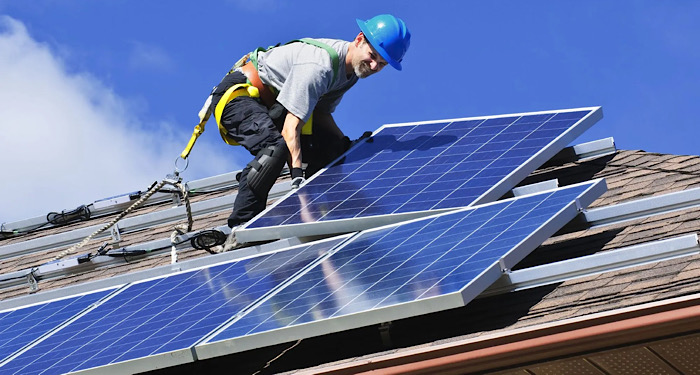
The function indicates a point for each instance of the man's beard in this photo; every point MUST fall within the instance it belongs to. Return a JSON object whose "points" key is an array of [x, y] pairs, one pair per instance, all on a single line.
{"points": [[362, 69]]}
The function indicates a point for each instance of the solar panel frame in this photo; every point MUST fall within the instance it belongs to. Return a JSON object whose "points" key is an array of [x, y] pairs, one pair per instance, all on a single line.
{"points": [[246, 233], [211, 348]]}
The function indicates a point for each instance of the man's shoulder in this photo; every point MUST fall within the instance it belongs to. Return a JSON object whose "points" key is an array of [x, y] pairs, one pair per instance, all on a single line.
{"points": [[321, 52], [337, 44], [308, 54], [340, 46]]}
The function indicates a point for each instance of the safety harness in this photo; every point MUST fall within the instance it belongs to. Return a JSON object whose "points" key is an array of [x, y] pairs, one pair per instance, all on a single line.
{"points": [[254, 88]]}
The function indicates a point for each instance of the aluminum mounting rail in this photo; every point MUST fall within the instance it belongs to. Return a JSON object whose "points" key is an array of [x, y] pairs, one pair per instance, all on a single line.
{"points": [[644, 207], [602, 262], [129, 224], [226, 180]]}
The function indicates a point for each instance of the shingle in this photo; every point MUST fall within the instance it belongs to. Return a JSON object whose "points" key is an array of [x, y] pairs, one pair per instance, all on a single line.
{"points": [[646, 160], [603, 291], [623, 279], [689, 214], [660, 159], [578, 286], [649, 283], [612, 173], [687, 275], [691, 165], [628, 300], [626, 157], [16, 291], [685, 181], [660, 184], [615, 184], [679, 290], [655, 225], [640, 235], [692, 262], [530, 320]]}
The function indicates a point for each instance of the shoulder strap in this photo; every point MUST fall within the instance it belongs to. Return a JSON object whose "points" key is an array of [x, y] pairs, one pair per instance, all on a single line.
{"points": [[254, 55], [335, 60]]}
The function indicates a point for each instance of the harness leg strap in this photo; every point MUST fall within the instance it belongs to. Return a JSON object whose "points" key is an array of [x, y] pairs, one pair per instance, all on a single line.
{"points": [[266, 167]]}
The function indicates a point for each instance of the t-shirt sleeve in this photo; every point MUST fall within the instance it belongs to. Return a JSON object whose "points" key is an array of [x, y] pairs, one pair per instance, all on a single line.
{"points": [[303, 88]]}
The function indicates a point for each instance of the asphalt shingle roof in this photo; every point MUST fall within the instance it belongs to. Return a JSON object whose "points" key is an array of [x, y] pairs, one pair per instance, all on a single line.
{"points": [[630, 175]]}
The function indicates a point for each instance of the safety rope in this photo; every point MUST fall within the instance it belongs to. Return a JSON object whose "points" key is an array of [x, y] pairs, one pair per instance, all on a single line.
{"points": [[188, 208], [135, 205], [180, 229]]}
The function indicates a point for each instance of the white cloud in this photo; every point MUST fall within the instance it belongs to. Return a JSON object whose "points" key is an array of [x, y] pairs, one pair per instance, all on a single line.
{"points": [[67, 139], [145, 56]]}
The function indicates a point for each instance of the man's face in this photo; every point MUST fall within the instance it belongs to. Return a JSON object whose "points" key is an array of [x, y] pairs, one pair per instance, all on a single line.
{"points": [[367, 60]]}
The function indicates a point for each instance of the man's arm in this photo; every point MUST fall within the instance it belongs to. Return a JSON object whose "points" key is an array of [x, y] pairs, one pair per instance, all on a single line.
{"points": [[291, 132], [326, 121]]}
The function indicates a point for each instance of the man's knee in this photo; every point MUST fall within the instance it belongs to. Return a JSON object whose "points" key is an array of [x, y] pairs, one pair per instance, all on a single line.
{"points": [[266, 167]]}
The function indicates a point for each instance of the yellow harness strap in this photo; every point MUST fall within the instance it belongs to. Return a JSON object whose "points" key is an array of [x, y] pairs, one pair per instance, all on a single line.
{"points": [[204, 114], [307, 129], [241, 89]]}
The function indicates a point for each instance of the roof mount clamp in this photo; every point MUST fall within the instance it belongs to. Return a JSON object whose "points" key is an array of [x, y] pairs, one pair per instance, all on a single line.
{"points": [[176, 199], [32, 281], [385, 334], [175, 178], [176, 181], [502, 265], [116, 235]]}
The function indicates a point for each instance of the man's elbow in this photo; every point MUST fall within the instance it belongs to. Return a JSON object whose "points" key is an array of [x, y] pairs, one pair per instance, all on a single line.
{"points": [[288, 133], [292, 127]]}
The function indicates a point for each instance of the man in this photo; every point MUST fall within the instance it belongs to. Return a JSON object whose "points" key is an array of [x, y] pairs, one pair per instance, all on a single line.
{"points": [[297, 81]]}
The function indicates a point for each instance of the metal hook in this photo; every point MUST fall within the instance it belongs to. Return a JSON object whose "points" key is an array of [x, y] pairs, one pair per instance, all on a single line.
{"points": [[187, 164]]}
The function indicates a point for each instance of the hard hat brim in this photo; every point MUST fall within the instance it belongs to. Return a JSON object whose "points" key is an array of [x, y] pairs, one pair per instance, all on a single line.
{"points": [[372, 40]]}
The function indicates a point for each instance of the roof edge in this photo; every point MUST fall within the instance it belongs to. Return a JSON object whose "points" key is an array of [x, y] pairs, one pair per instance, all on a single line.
{"points": [[567, 337]]}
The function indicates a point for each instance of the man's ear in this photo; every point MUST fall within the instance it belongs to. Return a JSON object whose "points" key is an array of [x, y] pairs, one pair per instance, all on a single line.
{"points": [[359, 38]]}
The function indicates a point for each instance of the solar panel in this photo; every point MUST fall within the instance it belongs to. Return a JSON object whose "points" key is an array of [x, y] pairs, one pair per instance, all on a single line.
{"points": [[165, 314], [22, 326], [411, 170], [403, 270]]}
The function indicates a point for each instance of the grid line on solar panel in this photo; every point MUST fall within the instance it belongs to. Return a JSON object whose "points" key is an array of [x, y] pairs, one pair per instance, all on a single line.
{"points": [[422, 259], [166, 313], [423, 167], [22, 326]]}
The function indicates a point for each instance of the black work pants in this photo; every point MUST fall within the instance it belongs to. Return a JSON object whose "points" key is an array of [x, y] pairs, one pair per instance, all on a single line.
{"points": [[248, 122]]}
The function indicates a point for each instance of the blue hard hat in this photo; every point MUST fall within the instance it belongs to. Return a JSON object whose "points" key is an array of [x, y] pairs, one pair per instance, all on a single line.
{"points": [[388, 35]]}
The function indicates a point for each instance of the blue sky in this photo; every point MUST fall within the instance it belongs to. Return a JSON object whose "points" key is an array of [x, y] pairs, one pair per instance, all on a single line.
{"points": [[99, 97]]}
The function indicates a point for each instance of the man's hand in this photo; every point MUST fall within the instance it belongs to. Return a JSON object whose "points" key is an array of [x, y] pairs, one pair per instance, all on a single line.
{"points": [[297, 178], [367, 134]]}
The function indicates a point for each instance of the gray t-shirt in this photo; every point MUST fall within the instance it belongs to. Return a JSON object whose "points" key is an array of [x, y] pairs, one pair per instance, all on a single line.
{"points": [[302, 74]]}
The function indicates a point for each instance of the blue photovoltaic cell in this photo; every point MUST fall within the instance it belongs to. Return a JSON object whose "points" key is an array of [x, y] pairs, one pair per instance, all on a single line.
{"points": [[22, 326], [163, 314], [422, 167], [406, 263]]}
